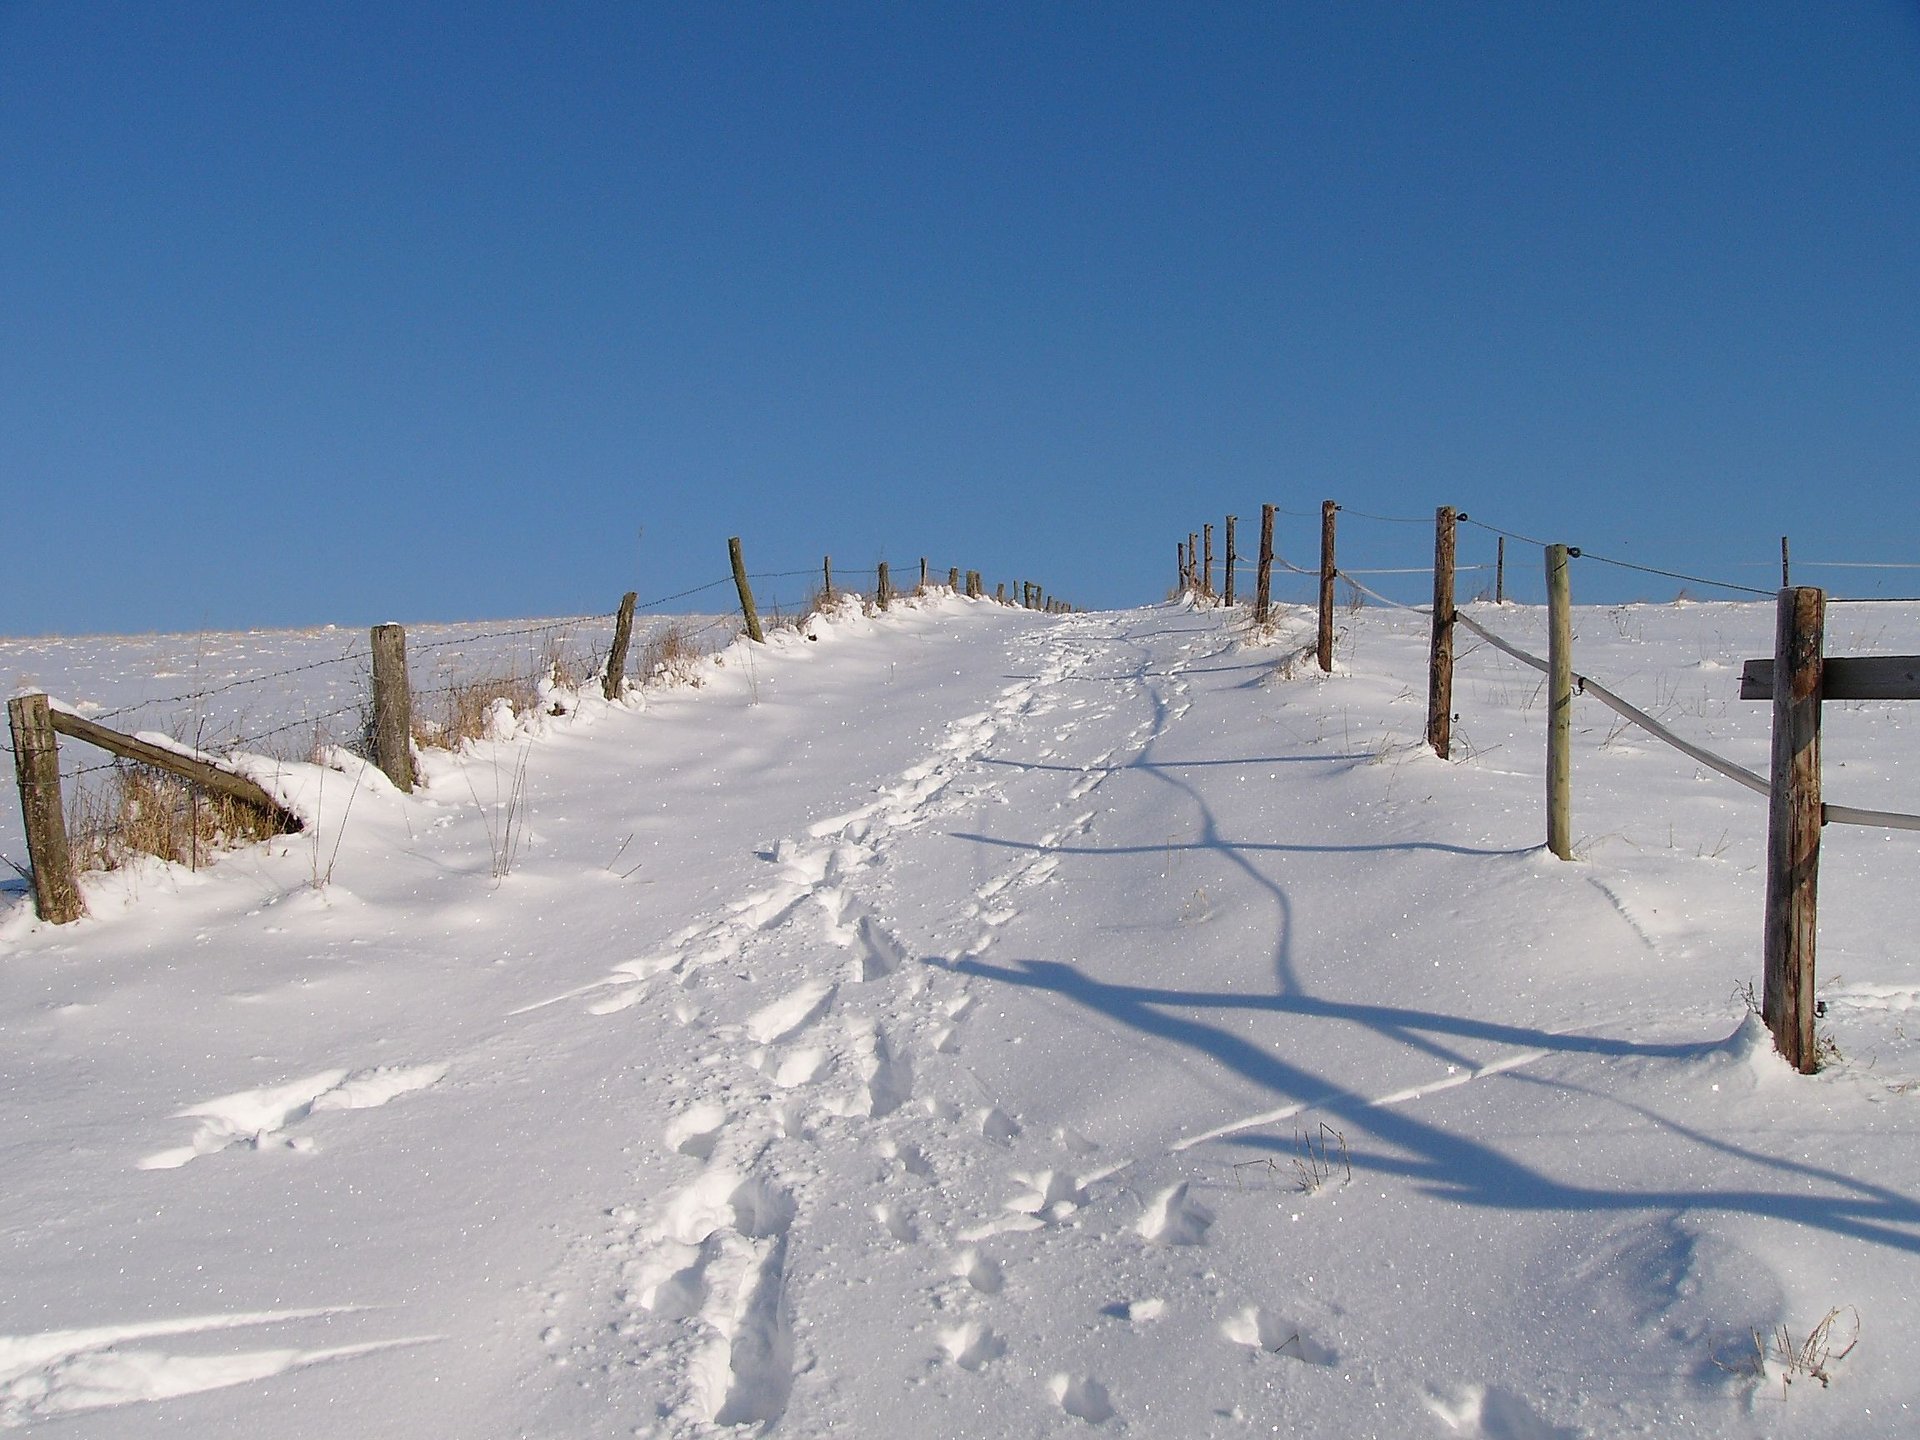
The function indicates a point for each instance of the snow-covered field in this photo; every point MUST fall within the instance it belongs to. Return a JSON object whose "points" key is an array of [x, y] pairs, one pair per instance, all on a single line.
{"points": [[970, 1022]]}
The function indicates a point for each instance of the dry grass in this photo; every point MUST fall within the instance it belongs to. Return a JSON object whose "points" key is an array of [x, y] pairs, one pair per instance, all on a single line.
{"points": [[670, 656], [142, 811], [1811, 1358], [461, 709]]}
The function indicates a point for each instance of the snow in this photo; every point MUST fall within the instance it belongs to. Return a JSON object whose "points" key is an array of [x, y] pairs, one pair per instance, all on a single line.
{"points": [[966, 1021]]}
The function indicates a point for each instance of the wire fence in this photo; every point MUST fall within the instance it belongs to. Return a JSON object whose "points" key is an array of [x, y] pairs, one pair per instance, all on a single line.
{"points": [[1587, 685], [297, 709]]}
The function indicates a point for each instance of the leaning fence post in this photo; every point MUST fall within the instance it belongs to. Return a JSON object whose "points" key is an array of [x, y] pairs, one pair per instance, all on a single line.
{"points": [[1327, 571], [1263, 577], [36, 766], [392, 706], [746, 591], [1227, 596], [1440, 649], [617, 656], [1559, 703], [1793, 825]]}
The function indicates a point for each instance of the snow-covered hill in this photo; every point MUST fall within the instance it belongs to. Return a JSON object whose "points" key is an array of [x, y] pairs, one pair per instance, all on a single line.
{"points": [[969, 1022]]}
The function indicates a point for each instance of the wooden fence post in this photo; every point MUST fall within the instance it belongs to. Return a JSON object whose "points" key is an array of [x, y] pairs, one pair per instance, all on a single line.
{"points": [[1263, 577], [1227, 596], [1559, 703], [1327, 571], [1786, 567], [883, 585], [1440, 649], [1180, 564], [36, 766], [826, 579], [1206, 575], [746, 591], [1500, 571], [923, 572], [1793, 825], [616, 675], [1193, 563], [392, 706], [1000, 593]]}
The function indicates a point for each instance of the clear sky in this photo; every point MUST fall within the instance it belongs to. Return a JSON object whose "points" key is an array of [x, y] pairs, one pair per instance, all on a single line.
{"points": [[350, 312]]}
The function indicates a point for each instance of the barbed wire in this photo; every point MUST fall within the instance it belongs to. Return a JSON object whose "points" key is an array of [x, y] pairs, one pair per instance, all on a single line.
{"points": [[1671, 574], [1385, 519], [1509, 534], [231, 685]]}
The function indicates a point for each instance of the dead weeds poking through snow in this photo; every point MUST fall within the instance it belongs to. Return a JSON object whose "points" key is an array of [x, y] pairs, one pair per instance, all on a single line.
{"points": [[1812, 1358], [143, 811]]}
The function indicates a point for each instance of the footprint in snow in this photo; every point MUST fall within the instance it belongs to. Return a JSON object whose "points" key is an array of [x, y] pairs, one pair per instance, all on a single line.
{"points": [[1176, 1218], [1083, 1397], [1263, 1331], [970, 1345]]}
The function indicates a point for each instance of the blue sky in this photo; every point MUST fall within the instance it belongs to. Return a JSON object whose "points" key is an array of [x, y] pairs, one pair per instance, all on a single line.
{"points": [[354, 312]]}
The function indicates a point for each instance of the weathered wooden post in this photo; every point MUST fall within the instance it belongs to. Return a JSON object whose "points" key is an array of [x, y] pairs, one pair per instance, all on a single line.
{"points": [[1180, 564], [1500, 571], [923, 572], [392, 706], [1440, 648], [1263, 576], [883, 585], [1000, 593], [1193, 563], [1327, 571], [1206, 574], [1227, 595], [953, 579], [616, 675], [36, 766], [1559, 703], [1793, 825], [746, 591], [826, 580]]}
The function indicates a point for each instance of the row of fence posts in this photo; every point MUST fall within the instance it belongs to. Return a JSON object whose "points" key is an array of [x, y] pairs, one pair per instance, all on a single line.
{"points": [[1794, 682], [1032, 596], [36, 727]]}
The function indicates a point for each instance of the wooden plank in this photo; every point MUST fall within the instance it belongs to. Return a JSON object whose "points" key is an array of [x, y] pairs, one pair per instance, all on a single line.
{"points": [[208, 777], [1793, 829], [1860, 677], [36, 764]]}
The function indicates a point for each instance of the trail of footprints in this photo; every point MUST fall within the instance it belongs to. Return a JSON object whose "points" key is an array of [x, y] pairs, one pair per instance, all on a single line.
{"points": [[704, 1268]]}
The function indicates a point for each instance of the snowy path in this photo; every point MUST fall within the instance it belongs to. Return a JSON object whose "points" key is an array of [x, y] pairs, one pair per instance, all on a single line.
{"points": [[928, 1030]]}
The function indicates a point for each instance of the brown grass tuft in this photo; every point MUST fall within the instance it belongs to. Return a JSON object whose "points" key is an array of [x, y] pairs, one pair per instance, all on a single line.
{"points": [[670, 657], [143, 811]]}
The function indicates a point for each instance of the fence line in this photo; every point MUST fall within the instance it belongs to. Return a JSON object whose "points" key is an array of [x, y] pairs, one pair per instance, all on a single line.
{"points": [[1587, 685]]}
